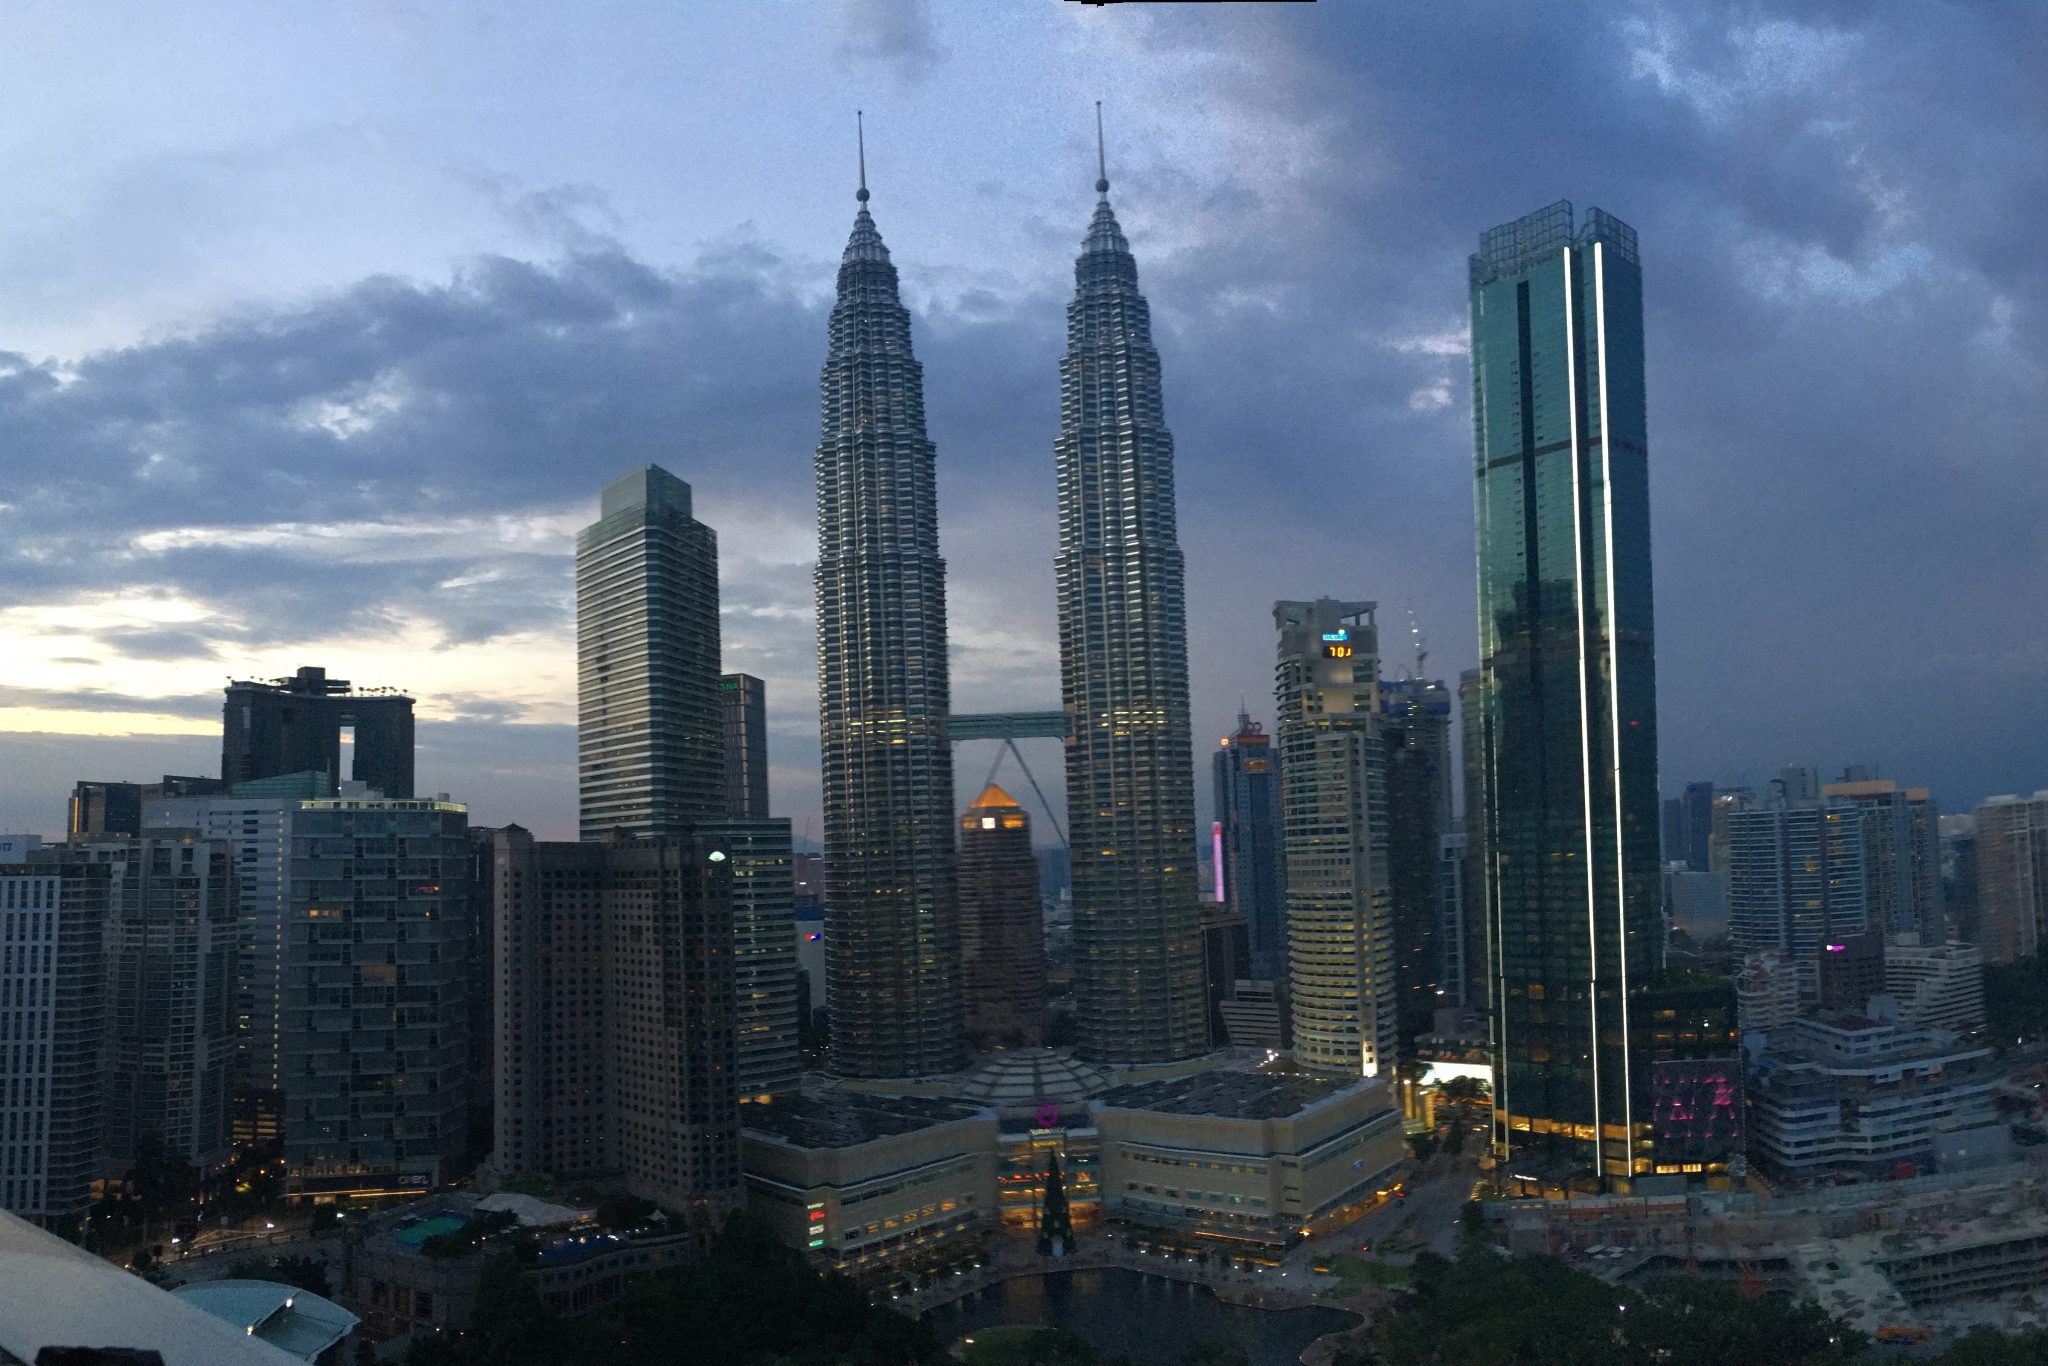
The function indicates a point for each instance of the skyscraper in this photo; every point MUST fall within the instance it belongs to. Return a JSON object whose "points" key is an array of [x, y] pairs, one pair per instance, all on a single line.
{"points": [[293, 725], [1688, 825], [1415, 730], [746, 746], [1902, 832], [615, 1026], [1138, 986], [768, 1060], [2012, 875], [1798, 879], [1568, 682], [1002, 926], [52, 1078], [893, 935], [1340, 915], [171, 950], [258, 829], [375, 1009], [650, 726], [1254, 873]]}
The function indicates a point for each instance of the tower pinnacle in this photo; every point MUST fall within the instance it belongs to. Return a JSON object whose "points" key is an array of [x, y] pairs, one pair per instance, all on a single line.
{"points": [[1101, 158], [860, 135]]}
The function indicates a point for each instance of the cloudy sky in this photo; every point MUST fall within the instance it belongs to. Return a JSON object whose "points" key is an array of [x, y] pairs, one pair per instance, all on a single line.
{"points": [[321, 326]]}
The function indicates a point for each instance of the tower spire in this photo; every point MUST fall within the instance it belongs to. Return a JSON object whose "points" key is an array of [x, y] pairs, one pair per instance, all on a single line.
{"points": [[860, 134], [1101, 158]]}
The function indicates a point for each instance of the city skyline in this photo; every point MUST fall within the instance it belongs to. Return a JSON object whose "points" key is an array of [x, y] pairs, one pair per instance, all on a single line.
{"points": [[461, 545]]}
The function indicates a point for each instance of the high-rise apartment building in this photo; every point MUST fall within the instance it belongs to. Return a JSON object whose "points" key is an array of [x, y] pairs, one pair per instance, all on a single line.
{"points": [[1340, 915], [1415, 731], [549, 980], [2012, 875], [53, 1008], [892, 919], [294, 725], [1569, 686], [374, 996], [744, 699], [1252, 842], [1797, 879], [671, 1081], [171, 949], [650, 728], [1902, 838], [257, 831], [767, 1056], [1138, 975], [1002, 924], [616, 1015]]}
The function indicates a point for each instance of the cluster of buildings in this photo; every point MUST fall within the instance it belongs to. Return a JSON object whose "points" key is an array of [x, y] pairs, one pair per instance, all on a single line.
{"points": [[355, 973]]}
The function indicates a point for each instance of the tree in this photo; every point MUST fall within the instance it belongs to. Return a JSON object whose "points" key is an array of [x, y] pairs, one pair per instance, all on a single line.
{"points": [[1537, 1311], [163, 1183], [1988, 1347], [1691, 1319], [1055, 1223], [1216, 1352]]}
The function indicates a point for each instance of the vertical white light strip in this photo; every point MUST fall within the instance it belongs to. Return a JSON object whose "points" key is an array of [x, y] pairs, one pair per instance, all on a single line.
{"points": [[1614, 694], [1571, 370]]}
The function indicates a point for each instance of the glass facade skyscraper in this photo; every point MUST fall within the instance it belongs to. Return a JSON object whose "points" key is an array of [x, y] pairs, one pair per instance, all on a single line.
{"points": [[1252, 842], [892, 918], [650, 724], [1138, 984], [1568, 688]]}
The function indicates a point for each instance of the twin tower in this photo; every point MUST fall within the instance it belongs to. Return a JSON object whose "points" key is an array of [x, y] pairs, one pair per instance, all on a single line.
{"points": [[894, 979]]}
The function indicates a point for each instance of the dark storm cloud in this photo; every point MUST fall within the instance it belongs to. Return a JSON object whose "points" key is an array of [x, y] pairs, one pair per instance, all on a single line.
{"points": [[1838, 206], [1846, 346], [896, 33], [100, 700]]}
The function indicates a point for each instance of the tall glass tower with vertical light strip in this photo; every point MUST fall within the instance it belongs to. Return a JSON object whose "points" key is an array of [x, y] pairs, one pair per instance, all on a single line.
{"points": [[892, 936], [1568, 691], [1138, 990]]}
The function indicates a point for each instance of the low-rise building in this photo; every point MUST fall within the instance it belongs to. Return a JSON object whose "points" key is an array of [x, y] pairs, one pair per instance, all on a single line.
{"points": [[311, 1327], [1246, 1157], [874, 1186], [1941, 985], [1766, 993], [1845, 1094], [401, 1274]]}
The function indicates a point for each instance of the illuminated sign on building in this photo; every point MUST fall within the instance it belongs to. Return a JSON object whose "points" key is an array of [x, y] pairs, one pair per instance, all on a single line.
{"points": [[1336, 635], [1336, 652]]}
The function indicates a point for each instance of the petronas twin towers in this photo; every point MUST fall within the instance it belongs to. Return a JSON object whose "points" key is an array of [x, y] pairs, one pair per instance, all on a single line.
{"points": [[893, 973]]}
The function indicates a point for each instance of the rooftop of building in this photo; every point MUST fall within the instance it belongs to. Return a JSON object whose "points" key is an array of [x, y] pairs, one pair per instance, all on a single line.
{"points": [[844, 1119], [58, 1295], [1032, 1076], [288, 1318], [1225, 1095], [993, 796]]}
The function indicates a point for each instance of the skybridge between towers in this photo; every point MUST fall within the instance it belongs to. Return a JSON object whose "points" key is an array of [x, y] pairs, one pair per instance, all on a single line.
{"points": [[1009, 727]]}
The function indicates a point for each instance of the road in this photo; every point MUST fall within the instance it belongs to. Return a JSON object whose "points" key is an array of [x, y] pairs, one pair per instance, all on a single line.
{"points": [[1427, 1217]]}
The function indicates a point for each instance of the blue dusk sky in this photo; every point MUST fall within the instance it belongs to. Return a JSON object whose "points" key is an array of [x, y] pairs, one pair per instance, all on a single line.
{"points": [[321, 327]]}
